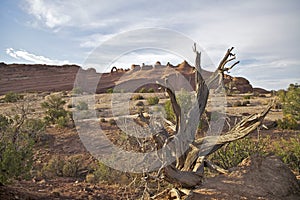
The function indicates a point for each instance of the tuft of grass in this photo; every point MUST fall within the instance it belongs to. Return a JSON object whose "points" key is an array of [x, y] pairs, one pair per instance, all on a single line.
{"points": [[232, 154], [12, 97], [153, 100], [289, 151]]}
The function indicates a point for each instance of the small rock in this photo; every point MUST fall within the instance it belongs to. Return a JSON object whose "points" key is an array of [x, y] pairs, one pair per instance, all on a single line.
{"points": [[87, 189]]}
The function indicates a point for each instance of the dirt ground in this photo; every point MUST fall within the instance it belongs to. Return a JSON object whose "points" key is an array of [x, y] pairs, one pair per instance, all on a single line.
{"points": [[250, 180]]}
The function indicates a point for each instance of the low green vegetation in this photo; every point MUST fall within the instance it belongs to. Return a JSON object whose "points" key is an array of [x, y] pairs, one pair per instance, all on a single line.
{"points": [[12, 97], [18, 134], [153, 100], [151, 90], [143, 90], [232, 154], [290, 100], [110, 90], [289, 151], [65, 167], [55, 112]]}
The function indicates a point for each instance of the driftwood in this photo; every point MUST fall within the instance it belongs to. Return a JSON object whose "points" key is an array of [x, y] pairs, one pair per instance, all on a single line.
{"points": [[191, 153]]}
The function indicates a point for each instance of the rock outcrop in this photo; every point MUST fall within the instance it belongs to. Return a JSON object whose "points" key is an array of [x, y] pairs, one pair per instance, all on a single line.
{"points": [[41, 78]]}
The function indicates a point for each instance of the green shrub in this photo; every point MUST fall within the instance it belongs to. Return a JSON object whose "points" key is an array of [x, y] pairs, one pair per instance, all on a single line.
{"points": [[34, 128], [143, 90], [16, 142], [110, 90], [4, 122], [289, 151], [15, 161], [72, 166], [12, 97], [82, 106], [54, 167], [151, 90], [232, 154], [61, 122], [58, 166], [169, 111], [290, 100], [288, 122], [153, 100], [104, 173], [247, 97], [55, 113]]}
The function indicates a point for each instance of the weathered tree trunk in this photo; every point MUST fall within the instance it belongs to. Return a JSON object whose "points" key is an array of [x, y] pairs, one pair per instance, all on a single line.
{"points": [[191, 153]]}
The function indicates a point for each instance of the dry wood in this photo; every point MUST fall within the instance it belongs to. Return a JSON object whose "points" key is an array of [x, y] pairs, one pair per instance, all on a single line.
{"points": [[190, 153]]}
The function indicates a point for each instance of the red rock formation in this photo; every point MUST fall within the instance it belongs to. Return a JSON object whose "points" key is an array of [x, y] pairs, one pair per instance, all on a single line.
{"points": [[40, 78]]}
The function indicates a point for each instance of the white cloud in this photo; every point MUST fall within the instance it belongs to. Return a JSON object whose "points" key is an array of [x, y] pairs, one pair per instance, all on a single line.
{"points": [[49, 12], [94, 40], [22, 54]]}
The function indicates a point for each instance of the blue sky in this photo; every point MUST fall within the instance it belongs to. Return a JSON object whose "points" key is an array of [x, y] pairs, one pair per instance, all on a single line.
{"points": [[265, 34]]}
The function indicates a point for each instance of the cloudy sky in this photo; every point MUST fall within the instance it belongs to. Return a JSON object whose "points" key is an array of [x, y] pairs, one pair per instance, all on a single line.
{"points": [[265, 34]]}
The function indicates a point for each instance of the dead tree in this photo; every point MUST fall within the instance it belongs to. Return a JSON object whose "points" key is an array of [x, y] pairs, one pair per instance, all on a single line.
{"points": [[191, 153]]}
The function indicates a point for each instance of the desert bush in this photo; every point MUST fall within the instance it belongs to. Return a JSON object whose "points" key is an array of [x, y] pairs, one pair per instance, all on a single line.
{"points": [[18, 135], [247, 97], [290, 101], [232, 154], [110, 90], [143, 90], [103, 173], [4, 122], [12, 97], [54, 167], [62, 122], [59, 166], [82, 105], [137, 97], [151, 90], [169, 111], [55, 113], [287, 122], [153, 100], [16, 160], [34, 128], [72, 166], [289, 151]]}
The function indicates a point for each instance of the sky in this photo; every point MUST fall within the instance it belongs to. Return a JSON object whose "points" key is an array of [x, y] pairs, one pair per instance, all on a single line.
{"points": [[265, 34]]}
